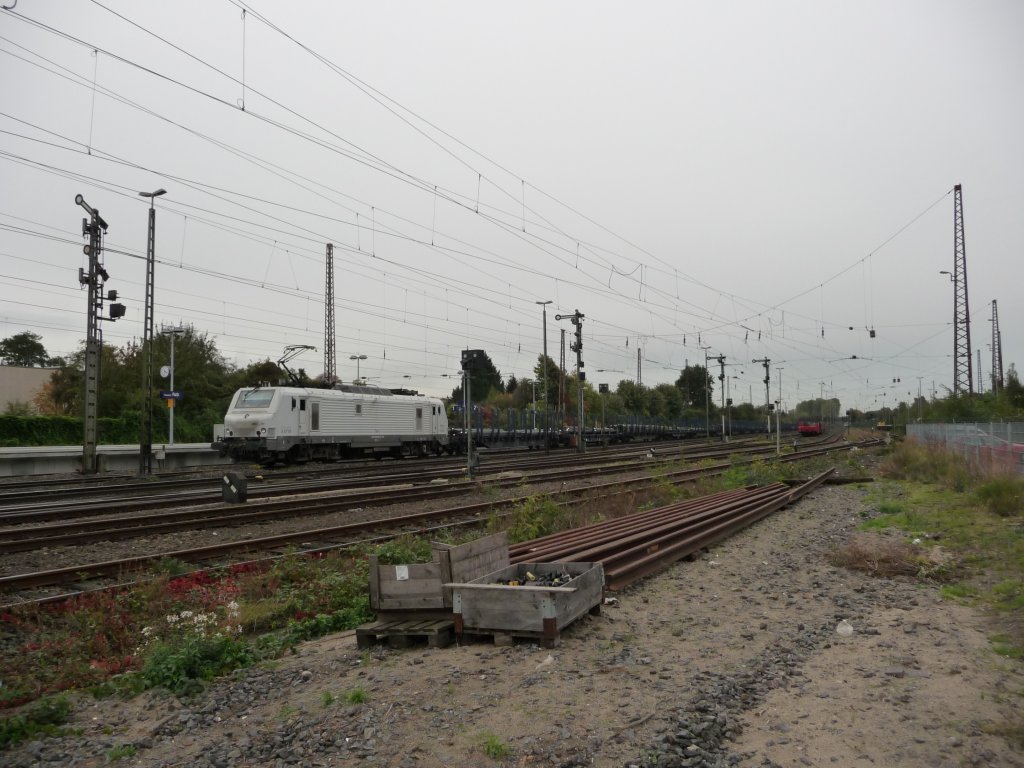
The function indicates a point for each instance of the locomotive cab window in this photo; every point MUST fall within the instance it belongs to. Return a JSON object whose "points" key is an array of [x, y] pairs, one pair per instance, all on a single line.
{"points": [[302, 405], [255, 398]]}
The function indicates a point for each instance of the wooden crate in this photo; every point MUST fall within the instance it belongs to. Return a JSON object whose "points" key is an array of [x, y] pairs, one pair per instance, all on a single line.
{"points": [[419, 590], [483, 606]]}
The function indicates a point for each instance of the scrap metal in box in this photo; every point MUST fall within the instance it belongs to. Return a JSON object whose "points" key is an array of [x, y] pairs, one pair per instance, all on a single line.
{"points": [[485, 606]]}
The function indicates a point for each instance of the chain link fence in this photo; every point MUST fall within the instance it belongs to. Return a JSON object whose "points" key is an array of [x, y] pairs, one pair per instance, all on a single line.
{"points": [[995, 445]]}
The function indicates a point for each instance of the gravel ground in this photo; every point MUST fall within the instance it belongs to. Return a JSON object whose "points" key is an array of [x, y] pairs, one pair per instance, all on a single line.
{"points": [[730, 659]]}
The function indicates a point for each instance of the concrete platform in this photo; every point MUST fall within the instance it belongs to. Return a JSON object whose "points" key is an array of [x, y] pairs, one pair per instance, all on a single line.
{"points": [[67, 459]]}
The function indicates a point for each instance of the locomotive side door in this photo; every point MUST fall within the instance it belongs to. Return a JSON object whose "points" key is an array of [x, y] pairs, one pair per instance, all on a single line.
{"points": [[299, 406]]}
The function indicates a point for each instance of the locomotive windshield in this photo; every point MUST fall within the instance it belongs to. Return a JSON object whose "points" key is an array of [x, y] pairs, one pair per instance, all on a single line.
{"points": [[255, 398]]}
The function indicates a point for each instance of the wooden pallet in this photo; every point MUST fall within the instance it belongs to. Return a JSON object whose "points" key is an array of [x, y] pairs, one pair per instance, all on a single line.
{"points": [[400, 633]]}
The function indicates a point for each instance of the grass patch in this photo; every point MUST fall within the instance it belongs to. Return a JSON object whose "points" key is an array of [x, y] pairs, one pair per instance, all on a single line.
{"points": [[493, 746], [959, 591], [120, 752], [883, 556], [356, 696], [1002, 495], [941, 505]]}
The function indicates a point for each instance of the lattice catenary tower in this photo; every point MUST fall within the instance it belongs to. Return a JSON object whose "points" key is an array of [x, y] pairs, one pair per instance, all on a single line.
{"points": [[997, 350], [961, 313], [330, 366]]}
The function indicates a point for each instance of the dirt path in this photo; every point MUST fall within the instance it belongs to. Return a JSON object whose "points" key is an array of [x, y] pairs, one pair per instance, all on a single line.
{"points": [[730, 659]]}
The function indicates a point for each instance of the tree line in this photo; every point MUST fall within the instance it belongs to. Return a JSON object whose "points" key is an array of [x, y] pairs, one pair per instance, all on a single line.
{"points": [[208, 381]]}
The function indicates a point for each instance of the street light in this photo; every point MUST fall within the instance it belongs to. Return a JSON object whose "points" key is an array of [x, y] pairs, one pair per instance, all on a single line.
{"points": [[544, 309], [146, 412], [357, 358]]}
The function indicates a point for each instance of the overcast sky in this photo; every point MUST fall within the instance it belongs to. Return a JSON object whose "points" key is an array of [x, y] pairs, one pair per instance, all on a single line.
{"points": [[763, 179]]}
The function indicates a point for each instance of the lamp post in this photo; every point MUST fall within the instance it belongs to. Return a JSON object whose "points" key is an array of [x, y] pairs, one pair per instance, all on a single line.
{"points": [[146, 412], [357, 358], [544, 309]]}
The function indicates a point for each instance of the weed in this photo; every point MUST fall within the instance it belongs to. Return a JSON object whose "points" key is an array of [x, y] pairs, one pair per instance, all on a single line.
{"points": [[493, 746], [327, 698], [43, 717], [171, 567], [1002, 495], [121, 751], [356, 696], [182, 666], [534, 517], [404, 549], [881, 556]]}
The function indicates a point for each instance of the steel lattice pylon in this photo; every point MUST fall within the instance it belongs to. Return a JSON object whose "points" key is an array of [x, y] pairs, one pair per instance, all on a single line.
{"points": [[997, 350], [961, 312], [330, 369]]}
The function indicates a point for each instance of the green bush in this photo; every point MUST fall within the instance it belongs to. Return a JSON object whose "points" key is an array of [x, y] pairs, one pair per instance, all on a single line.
{"points": [[532, 519], [184, 665]]}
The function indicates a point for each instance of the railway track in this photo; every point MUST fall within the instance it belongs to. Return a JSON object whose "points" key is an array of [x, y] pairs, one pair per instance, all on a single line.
{"points": [[24, 506], [83, 577]]}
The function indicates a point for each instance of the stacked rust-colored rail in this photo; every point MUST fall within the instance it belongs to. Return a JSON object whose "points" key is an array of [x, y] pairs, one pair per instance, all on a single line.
{"points": [[638, 545]]}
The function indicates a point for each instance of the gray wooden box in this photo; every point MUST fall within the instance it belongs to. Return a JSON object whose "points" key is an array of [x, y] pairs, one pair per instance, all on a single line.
{"points": [[482, 606], [420, 589]]}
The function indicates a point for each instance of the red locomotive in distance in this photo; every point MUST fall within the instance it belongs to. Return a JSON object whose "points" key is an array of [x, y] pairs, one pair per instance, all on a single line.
{"points": [[809, 428]]}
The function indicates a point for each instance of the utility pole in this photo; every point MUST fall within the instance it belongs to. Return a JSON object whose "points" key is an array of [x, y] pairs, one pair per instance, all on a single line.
{"points": [[707, 404], [146, 411], [639, 372], [330, 366], [561, 379], [173, 331], [576, 318], [767, 398], [997, 351], [470, 362], [547, 441], [721, 380], [95, 228], [962, 380]]}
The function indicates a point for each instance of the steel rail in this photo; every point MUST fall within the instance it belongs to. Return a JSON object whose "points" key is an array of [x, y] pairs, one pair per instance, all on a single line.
{"points": [[633, 547]]}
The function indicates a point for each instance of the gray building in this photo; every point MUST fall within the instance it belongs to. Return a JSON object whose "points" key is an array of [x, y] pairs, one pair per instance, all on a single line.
{"points": [[21, 385]]}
